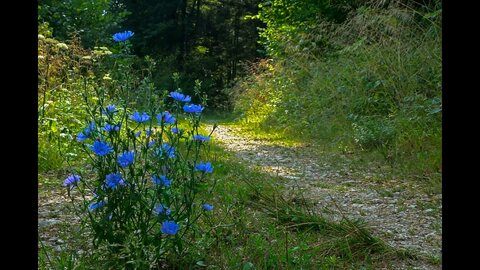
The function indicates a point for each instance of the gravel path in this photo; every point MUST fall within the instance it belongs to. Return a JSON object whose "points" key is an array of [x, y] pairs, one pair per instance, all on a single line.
{"points": [[52, 215], [58, 226], [394, 209]]}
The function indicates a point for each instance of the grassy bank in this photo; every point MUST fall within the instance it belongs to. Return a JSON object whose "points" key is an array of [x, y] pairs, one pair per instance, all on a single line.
{"points": [[377, 93]]}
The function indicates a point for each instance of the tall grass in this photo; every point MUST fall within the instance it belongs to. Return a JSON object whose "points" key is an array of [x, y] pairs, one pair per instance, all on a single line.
{"points": [[377, 89]]}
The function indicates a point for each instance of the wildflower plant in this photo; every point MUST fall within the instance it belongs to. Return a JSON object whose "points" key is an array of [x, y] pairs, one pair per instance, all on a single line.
{"points": [[147, 176]]}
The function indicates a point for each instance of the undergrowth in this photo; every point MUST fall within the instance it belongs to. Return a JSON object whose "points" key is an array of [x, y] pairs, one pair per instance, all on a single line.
{"points": [[377, 89]]}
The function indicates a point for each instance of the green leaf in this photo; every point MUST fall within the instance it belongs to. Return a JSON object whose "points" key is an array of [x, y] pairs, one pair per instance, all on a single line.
{"points": [[294, 249]]}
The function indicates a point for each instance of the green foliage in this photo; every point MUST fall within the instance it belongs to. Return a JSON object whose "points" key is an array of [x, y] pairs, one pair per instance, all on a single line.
{"points": [[60, 111], [67, 74], [261, 88], [48, 259], [197, 39], [371, 133], [376, 88], [287, 20], [93, 21]]}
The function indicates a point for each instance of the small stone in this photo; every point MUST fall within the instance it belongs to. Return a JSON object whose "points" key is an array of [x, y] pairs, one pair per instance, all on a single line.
{"points": [[376, 201], [52, 239]]}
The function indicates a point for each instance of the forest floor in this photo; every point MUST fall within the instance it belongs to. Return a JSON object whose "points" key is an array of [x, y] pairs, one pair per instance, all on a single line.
{"points": [[398, 211]]}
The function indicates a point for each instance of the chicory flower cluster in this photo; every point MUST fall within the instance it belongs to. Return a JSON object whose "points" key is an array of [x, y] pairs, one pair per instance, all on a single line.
{"points": [[102, 147], [148, 170], [188, 108]]}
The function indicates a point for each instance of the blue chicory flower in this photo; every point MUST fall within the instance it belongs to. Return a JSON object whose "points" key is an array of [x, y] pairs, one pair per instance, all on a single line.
{"points": [[114, 179], [140, 118], [176, 130], [111, 128], [207, 207], [161, 180], [81, 137], [89, 129], [166, 117], [97, 205], [192, 108], [169, 227], [71, 180], [201, 138], [101, 148], [138, 134], [122, 36], [126, 158], [151, 143], [180, 97], [204, 167], [161, 209], [167, 149], [86, 133], [110, 109]]}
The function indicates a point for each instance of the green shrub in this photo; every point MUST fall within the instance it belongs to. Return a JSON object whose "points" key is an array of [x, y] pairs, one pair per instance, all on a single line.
{"points": [[374, 133]]}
